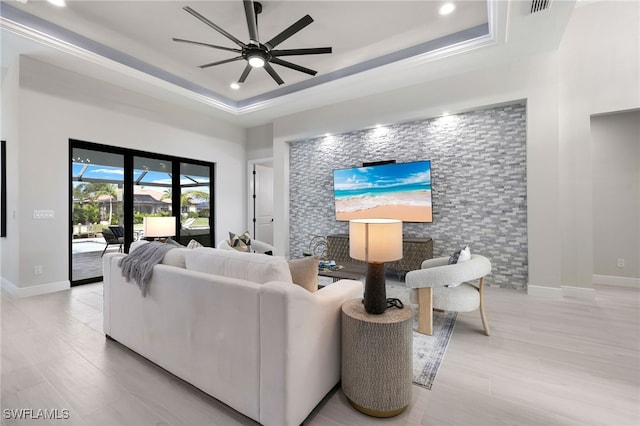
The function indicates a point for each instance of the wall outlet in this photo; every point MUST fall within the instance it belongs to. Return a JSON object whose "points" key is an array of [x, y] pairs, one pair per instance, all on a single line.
{"points": [[37, 269], [621, 263]]}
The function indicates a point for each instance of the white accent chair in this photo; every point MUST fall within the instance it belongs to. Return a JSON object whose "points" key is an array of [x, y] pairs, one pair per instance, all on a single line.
{"points": [[256, 246], [437, 288]]}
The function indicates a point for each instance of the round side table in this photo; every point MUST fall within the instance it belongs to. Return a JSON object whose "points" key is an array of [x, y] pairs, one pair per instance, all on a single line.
{"points": [[377, 359]]}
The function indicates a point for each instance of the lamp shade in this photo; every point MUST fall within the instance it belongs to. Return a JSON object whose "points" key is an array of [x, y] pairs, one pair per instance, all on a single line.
{"points": [[159, 226], [375, 240]]}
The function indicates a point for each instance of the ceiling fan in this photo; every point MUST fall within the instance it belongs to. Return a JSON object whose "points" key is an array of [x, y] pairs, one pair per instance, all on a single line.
{"points": [[257, 54]]}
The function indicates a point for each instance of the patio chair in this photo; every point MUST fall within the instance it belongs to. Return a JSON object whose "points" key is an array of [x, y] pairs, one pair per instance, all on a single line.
{"points": [[188, 223], [110, 238]]}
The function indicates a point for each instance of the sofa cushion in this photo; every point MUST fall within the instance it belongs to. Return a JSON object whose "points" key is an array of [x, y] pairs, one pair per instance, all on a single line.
{"points": [[176, 257], [304, 272], [134, 245], [172, 242], [254, 267]]}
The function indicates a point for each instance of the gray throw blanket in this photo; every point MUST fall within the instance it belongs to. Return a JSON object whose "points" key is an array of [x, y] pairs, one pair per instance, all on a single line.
{"points": [[139, 263]]}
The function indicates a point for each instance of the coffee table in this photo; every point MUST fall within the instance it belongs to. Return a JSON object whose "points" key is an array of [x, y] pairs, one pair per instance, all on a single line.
{"points": [[349, 271]]}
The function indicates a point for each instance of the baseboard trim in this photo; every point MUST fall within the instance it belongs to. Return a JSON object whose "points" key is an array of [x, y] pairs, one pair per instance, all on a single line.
{"points": [[9, 287], [580, 292], [616, 281], [34, 290], [542, 291]]}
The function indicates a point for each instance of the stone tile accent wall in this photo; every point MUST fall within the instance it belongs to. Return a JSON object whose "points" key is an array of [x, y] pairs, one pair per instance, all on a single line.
{"points": [[479, 186]]}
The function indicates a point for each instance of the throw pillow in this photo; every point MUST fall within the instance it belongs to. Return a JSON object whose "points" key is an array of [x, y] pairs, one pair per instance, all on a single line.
{"points": [[304, 272], [453, 259], [136, 244], [172, 242], [460, 256], [240, 242], [193, 244], [465, 254]]}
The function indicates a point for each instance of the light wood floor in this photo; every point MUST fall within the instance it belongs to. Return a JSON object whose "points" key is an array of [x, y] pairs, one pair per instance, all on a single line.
{"points": [[548, 362]]}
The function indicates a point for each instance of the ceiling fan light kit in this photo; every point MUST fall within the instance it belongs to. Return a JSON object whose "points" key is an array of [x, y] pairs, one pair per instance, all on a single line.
{"points": [[256, 54], [256, 59]]}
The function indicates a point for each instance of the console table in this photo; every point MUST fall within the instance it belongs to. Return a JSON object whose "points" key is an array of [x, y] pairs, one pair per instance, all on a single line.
{"points": [[414, 251]]}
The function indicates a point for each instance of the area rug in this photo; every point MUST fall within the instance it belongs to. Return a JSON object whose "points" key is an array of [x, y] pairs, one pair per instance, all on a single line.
{"points": [[428, 351]]}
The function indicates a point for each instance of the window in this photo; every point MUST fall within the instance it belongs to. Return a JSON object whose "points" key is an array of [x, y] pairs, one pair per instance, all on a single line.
{"points": [[112, 190]]}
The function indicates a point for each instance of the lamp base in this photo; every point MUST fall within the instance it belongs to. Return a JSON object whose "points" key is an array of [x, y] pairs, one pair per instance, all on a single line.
{"points": [[375, 290]]}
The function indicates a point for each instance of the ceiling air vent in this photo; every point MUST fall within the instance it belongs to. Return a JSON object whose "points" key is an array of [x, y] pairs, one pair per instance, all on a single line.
{"points": [[539, 5]]}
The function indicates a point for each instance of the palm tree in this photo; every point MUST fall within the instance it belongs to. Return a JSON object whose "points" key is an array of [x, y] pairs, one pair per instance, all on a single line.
{"points": [[187, 198], [90, 192]]}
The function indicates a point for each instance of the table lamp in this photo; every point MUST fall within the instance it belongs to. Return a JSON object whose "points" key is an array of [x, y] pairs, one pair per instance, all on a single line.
{"points": [[375, 241], [159, 227]]}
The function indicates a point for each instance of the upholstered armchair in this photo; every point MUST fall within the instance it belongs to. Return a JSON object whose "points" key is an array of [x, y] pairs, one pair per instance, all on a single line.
{"points": [[446, 287]]}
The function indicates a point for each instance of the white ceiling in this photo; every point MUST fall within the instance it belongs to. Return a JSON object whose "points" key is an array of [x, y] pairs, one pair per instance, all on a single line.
{"points": [[377, 45]]}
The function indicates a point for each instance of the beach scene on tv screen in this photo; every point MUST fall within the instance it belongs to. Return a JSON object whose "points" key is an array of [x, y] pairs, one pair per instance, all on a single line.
{"points": [[390, 191]]}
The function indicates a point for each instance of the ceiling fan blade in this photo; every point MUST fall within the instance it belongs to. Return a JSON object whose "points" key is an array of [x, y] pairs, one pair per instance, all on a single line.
{"points": [[214, 26], [293, 66], [293, 52], [225, 61], [300, 24], [245, 73], [230, 49], [273, 73], [250, 13]]}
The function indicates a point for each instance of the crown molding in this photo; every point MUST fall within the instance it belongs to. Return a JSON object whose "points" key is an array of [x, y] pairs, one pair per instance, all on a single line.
{"points": [[413, 58]]}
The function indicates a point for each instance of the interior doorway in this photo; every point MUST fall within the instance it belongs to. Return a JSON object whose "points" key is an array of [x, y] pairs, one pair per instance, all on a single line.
{"points": [[261, 202]]}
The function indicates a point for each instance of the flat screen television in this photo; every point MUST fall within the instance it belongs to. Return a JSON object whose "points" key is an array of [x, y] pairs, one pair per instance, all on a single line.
{"points": [[388, 191]]}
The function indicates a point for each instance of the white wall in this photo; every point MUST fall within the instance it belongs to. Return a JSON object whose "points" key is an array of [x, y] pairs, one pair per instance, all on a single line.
{"points": [[598, 73], [260, 142], [10, 246], [594, 70], [55, 105], [616, 194]]}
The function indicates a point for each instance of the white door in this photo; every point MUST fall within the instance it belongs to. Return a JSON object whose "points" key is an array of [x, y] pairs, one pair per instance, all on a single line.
{"points": [[263, 203]]}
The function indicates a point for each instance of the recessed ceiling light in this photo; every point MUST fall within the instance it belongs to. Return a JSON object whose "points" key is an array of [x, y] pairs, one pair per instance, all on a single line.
{"points": [[59, 3], [234, 86], [447, 8]]}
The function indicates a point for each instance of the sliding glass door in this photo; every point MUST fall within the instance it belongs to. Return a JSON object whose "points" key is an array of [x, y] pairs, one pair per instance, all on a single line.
{"points": [[97, 181], [113, 189], [195, 203]]}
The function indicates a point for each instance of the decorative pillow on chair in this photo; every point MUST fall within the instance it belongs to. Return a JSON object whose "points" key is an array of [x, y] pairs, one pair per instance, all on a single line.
{"points": [[240, 242], [465, 254], [460, 256], [304, 272]]}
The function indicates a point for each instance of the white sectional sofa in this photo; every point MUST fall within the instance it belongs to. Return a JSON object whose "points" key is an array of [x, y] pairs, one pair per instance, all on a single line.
{"points": [[235, 326]]}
